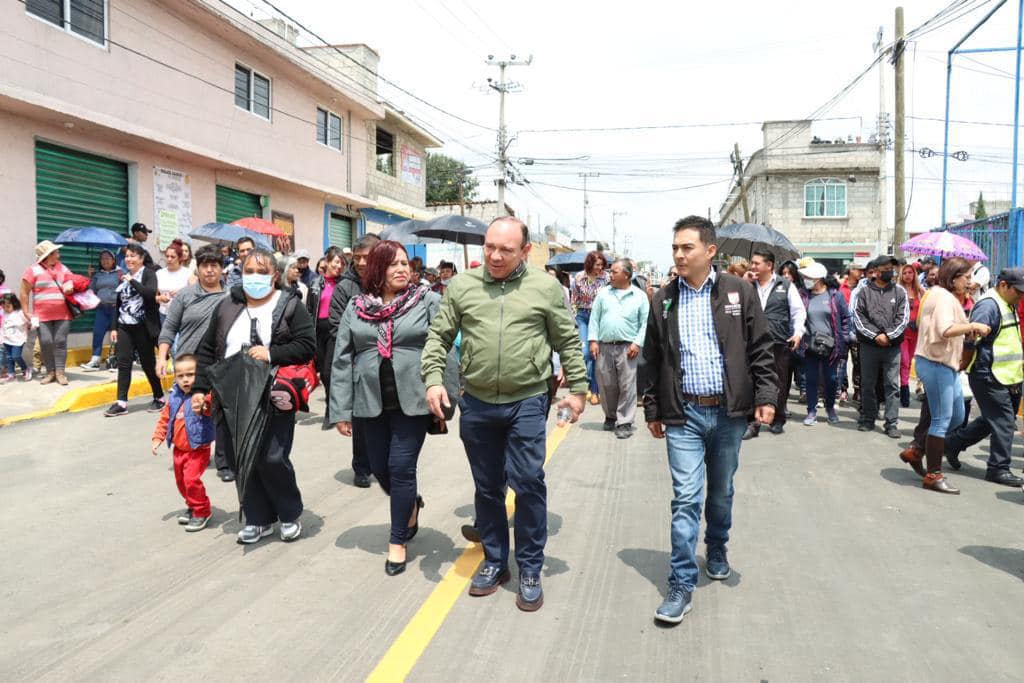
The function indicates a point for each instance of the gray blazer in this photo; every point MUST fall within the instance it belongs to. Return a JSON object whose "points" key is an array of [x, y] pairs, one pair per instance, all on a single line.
{"points": [[355, 373]]}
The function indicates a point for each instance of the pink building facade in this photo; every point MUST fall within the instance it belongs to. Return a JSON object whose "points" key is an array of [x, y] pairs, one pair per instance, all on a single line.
{"points": [[176, 114]]}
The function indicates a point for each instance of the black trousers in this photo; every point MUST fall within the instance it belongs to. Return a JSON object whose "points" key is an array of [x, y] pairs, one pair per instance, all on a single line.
{"points": [[880, 369], [783, 371], [998, 420], [272, 493], [394, 443], [132, 339], [506, 443], [223, 459], [360, 454]]}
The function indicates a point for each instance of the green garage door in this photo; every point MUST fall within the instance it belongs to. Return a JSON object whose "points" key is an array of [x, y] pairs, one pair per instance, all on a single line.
{"points": [[339, 232], [75, 189], [233, 204]]}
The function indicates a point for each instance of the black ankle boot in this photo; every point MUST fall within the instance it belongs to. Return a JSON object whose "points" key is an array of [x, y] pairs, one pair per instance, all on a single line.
{"points": [[905, 396]]}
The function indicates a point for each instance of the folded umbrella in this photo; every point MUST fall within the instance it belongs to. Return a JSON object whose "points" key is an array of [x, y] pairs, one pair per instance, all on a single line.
{"points": [[242, 386], [944, 244]]}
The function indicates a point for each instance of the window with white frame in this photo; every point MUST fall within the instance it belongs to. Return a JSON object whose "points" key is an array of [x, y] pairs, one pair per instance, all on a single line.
{"points": [[86, 18], [252, 91], [825, 198], [328, 129]]}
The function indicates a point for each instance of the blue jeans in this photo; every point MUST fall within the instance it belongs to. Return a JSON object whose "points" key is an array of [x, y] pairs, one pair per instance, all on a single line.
{"points": [[11, 355], [583, 322], [945, 395], [817, 368], [507, 443], [104, 318], [706, 447]]}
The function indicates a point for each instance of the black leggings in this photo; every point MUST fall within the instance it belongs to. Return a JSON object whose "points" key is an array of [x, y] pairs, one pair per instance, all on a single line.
{"points": [[132, 338]]}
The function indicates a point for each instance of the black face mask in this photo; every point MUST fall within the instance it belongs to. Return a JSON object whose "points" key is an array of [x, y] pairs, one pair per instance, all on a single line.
{"points": [[886, 276]]}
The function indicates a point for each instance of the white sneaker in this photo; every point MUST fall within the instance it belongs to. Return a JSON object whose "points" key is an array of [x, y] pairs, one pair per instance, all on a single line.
{"points": [[91, 366], [252, 533], [28, 375], [290, 530], [185, 517]]}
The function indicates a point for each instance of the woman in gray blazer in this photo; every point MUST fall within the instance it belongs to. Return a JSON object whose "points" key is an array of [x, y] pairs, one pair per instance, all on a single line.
{"points": [[376, 377]]}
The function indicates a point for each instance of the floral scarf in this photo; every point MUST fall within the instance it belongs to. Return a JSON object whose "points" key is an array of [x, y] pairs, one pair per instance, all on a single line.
{"points": [[373, 309]]}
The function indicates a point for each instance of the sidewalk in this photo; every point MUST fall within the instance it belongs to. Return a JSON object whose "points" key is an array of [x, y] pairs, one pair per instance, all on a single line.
{"points": [[20, 401]]}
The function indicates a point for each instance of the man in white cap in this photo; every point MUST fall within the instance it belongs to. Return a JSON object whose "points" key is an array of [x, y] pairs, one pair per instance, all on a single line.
{"points": [[306, 274]]}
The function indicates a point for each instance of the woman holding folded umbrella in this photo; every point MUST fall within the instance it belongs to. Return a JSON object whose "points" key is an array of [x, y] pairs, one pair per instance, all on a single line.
{"points": [[272, 326], [376, 377]]}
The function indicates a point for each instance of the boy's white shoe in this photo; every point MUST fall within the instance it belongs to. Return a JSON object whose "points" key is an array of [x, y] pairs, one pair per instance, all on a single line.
{"points": [[253, 533]]}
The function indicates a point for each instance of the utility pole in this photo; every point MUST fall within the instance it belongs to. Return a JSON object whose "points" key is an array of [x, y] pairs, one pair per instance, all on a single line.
{"points": [[503, 86], [586, 202], [614, 214], [882, 138], [899, 225], [737, 164]]}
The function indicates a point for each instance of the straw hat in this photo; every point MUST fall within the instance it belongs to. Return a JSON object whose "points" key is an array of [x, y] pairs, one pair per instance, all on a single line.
{"points": [[44, 249]]}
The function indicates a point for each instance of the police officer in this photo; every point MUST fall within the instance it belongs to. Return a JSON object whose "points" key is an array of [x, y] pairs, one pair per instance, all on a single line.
{"points": [[995, 376]]}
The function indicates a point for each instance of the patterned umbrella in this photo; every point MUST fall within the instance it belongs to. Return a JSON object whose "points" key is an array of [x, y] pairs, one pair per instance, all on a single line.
{"points": [[264, 227], [944, 244]]}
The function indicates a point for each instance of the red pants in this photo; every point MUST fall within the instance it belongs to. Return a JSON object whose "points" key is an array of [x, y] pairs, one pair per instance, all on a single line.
{"points": [[188, 472]]}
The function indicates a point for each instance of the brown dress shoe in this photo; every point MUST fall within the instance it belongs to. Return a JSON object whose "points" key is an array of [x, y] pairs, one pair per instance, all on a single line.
{"points": [[913, 456], [62, 379], [937, 482], [49, 379]]}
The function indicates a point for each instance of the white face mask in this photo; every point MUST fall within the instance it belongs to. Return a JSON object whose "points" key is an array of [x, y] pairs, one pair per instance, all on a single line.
{"points": [[809, 283]]}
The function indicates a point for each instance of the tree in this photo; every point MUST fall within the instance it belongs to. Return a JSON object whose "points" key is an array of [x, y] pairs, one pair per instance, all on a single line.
{"points": [[979, 209], [444, 176]]}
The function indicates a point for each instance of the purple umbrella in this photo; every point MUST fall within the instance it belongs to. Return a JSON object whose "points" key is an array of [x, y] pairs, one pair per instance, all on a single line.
{"points": [[944, 245]]}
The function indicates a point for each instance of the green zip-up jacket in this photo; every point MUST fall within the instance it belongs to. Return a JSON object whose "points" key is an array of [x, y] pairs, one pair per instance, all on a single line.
{"points": [[509, 329]]}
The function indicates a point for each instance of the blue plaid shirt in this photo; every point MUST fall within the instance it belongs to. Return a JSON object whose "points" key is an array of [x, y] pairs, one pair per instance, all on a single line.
{"points": [[699, 355]]}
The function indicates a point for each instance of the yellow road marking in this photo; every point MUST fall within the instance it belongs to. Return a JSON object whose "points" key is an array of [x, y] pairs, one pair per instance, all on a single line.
{"points": [[410, 644]]}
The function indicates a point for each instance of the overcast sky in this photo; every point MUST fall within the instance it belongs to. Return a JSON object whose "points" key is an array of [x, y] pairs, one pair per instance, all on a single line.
{"points": [[655, 63]]}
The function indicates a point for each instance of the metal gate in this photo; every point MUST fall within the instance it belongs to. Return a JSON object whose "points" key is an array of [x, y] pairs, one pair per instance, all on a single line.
{"points": [[233, 204], [76, 189], [999, 236], [339, 232]]}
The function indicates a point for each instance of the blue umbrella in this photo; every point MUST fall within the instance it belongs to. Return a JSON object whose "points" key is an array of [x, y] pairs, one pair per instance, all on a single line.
{"points": [[100, 238], [225, 233], [569, 262]]}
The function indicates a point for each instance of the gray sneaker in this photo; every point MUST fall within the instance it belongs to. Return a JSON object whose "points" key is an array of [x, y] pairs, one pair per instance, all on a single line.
{"points": [[197, 524], [290, 530], [252, 533], [185, 517], [91, 366], [675, 606]]}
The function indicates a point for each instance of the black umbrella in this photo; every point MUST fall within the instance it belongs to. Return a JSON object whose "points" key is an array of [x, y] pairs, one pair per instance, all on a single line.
{"points": [[459, 229], [403, 233], [569, 262], [742, 239], [242, 385]]}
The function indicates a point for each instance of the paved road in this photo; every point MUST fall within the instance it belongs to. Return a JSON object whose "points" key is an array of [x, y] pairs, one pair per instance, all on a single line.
{"points": [[844, 568]]}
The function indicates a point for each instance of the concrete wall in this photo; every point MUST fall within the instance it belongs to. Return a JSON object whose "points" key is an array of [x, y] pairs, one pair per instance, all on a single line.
{"points": [[381, 185]]}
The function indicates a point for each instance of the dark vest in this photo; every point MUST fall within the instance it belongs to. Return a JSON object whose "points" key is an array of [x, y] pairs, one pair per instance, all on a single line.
{"points": [[776, 310]]}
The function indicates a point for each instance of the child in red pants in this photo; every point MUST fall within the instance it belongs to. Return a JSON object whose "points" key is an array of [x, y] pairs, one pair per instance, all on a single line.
{"points": [[190, 435]]}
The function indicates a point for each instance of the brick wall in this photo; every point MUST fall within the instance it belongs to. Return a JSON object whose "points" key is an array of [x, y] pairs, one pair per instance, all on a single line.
{"points": [[379, 185]]}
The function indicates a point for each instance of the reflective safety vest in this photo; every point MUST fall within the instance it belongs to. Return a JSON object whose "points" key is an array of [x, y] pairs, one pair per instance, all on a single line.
{"points": [[1007, 354]]}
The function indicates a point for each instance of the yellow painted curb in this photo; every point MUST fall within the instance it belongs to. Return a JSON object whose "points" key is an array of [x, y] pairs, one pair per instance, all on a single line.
{"points": [[86, 398]]}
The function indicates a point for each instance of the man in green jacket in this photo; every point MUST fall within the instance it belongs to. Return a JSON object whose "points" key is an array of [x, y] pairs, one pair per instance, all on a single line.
{"points": [[511, 317]]}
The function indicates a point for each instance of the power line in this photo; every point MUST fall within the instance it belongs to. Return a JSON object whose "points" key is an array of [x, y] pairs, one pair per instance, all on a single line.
{"points": [[660, 191], [359, 64], [670, 126]]}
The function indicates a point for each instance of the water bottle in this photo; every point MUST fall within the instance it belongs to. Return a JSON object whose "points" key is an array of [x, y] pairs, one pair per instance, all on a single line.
{"points": [[564, 415]]}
